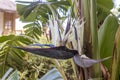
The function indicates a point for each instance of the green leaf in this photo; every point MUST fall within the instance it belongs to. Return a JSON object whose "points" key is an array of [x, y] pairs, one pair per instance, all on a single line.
{"points": [[116, 57], [106, 4], [40, 10], [20, 8], [61, 2], [106, 37], [33, 30], [29, 9], [30, 18], [5, 38], [10, 57], [104, 8]]}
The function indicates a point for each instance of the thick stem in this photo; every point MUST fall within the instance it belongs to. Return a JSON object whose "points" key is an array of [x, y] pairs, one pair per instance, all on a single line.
{"points": [[86, 40], [85, 73], [94, 35]]}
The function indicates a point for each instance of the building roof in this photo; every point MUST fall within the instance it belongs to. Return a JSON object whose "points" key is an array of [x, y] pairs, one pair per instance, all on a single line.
{"points": [[8, 6]]}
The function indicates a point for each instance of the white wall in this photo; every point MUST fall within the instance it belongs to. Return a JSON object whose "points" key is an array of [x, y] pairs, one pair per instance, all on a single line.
{"points": [[1, 22]]}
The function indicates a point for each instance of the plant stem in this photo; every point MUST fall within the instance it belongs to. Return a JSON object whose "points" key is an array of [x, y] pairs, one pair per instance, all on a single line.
{"points": [[60, 69], [75, 70], [85, 73], [86, 39], [94, 34]]}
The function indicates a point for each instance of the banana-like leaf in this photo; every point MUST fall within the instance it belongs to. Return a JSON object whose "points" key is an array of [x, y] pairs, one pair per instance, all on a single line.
{"points": [[29, 9], [116, 58], [107, 4], [104, 8], [39, 8], [106, 37], [60, 52], [52, 75]]}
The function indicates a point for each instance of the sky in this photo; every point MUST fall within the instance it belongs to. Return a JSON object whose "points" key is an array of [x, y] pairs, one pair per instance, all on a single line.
{"points": [[116, 3]]}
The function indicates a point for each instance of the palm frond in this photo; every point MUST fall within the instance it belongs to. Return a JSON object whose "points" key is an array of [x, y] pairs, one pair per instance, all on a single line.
{"points": [[33, 30], [10, 57]]}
